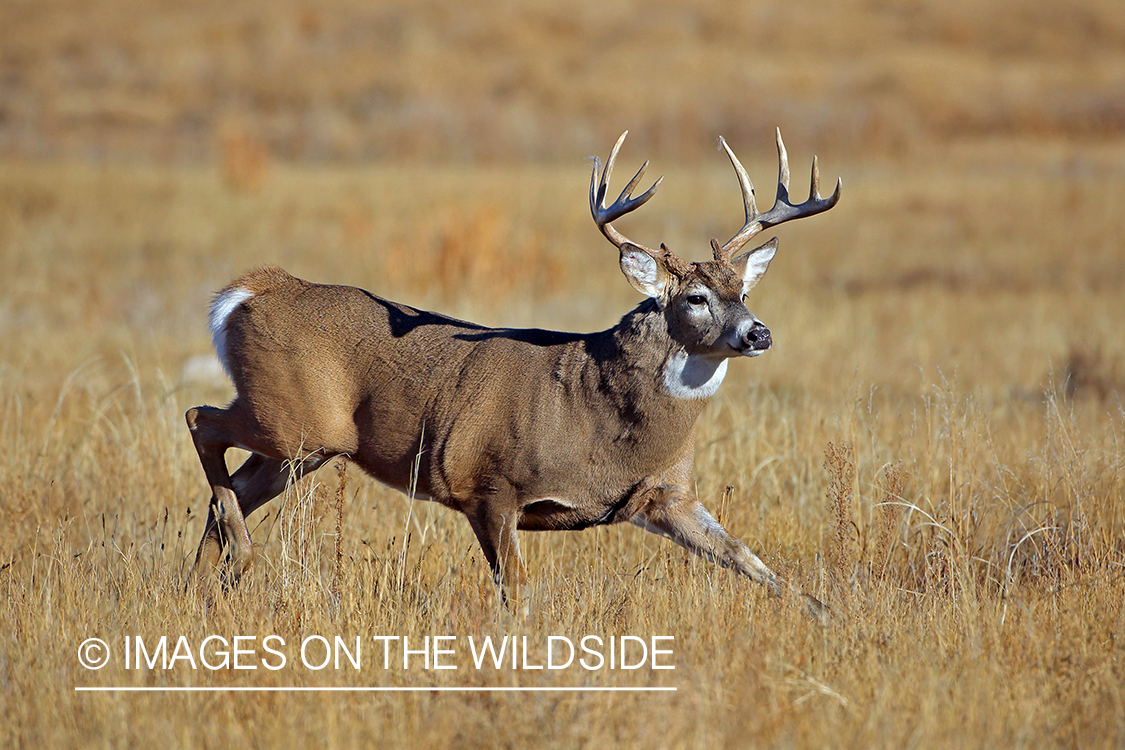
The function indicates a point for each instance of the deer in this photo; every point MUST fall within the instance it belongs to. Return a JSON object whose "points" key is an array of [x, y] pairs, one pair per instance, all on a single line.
{"points": [[517, 429]]}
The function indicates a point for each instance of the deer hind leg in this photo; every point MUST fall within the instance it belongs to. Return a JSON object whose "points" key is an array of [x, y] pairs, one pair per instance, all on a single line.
{"points": [[214, 431], [256, 482], [261, 479], [496, 533]]}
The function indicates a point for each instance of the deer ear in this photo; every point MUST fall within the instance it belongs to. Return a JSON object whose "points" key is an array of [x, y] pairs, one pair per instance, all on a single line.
{"points": [[753, 265], [645, 273]]}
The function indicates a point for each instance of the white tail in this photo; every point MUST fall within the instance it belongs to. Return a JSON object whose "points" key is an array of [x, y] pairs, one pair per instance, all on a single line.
{"points": [[516, 429], [221, 308]]}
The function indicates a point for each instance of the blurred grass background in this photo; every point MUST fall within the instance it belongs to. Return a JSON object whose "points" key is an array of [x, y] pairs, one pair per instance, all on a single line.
{"points": [[934, 445], [344, 81]]}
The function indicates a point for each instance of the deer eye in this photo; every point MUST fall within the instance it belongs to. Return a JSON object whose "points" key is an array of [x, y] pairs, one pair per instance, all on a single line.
{"points": [[696, 299]]}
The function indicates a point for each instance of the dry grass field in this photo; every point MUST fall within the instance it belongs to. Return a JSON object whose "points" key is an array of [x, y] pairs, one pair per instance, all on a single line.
{"points": [[934, 447]]}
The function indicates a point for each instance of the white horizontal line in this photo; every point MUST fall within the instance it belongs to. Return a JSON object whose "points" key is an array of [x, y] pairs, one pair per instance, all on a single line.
{"points": [[299, 689]]}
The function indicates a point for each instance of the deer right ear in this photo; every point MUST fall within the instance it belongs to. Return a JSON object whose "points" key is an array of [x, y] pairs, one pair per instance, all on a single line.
{"points": [[646, 274]]}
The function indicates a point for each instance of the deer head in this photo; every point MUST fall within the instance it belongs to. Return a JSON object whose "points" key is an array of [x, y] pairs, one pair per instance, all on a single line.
{"points": [[704, 302]]}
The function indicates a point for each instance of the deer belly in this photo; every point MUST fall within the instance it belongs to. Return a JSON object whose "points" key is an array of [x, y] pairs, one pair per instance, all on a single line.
{"points": [[550, 514]]}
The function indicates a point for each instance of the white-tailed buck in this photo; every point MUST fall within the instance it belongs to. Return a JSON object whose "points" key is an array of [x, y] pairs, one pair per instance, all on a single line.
{"points": [[517, 429]]}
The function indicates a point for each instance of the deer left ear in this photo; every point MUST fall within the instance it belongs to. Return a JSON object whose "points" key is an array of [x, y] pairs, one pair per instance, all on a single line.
{"points": [[752, 265]]}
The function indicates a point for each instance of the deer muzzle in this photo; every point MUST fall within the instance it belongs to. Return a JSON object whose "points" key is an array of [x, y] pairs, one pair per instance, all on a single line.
{"points": [[756, 339]]}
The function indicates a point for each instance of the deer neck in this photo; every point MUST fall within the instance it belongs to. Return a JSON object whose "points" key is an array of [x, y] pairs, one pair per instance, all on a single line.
{"points": [[652, 354]]}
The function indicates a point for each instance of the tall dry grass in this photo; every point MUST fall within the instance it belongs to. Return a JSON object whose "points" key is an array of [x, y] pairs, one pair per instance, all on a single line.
{"points": [[923, 449]]}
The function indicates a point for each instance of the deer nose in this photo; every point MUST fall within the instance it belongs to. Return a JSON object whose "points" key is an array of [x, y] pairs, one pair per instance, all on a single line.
{"points": [[757, 338]]}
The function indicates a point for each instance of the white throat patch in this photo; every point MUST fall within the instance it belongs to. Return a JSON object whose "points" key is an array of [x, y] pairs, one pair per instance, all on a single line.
{"points": [[692, 376]]}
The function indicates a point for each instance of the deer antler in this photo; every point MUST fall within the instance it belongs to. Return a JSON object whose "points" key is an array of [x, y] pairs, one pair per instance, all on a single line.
{"points": [[625, 203], [782, 210]]}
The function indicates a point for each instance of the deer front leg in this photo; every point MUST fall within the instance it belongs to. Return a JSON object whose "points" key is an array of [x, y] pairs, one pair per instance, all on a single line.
{"points": [[687, 523], [496, 532], [679, 516]]}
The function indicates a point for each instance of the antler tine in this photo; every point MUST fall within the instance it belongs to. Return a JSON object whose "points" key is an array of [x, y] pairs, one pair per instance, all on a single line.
{"points": [[782, 166], [603, 184], [743, 182], [814, 190], [782, 209], [814, 181], [625, 202], [749, 205]]}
